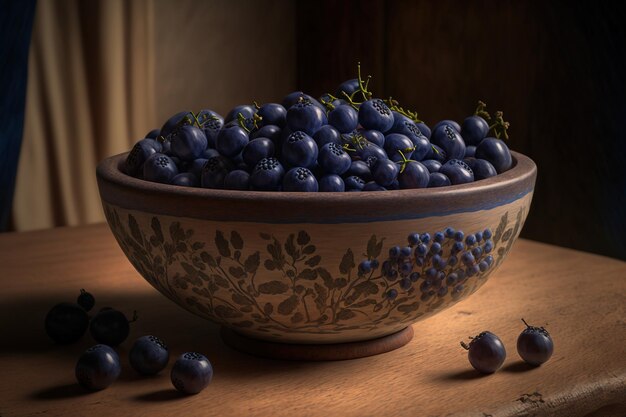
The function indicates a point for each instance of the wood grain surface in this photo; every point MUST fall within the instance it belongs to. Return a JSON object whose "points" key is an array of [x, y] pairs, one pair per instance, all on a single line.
{"points": [[579, 297]]}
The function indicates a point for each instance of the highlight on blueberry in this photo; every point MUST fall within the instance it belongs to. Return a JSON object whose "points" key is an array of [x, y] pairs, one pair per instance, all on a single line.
{"points": [[485, 352]]}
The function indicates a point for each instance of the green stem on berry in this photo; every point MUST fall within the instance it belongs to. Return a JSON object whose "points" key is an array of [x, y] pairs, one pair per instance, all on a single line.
{"points": [[328, 104], [500, 126], [404, 161], [395, 106], [464, 345], [481, 110]]}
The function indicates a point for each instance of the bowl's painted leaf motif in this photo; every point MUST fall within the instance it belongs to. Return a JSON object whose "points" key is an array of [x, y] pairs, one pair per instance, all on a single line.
{"points": [[290, 288]]}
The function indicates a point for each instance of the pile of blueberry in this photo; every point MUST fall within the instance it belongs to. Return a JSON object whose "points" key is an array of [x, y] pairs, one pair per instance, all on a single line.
{"points": [[486, 351], [350, 141], [99, 366]]}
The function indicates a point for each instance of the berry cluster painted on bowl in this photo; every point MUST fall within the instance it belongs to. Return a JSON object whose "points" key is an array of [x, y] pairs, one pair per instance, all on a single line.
{"points": [[291, 286], [351, 141]]}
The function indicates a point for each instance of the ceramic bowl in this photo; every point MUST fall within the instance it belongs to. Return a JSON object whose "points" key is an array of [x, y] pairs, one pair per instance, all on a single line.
{"points": [[285, 267]]}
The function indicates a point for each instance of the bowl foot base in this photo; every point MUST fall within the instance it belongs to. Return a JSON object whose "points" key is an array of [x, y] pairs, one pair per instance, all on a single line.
{"points": [[319, 352]]}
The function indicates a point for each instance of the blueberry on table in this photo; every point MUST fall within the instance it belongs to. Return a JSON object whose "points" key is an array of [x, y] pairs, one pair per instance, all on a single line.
{"points": [[299, 150], [85, 300], [267, 175], [374, 114], [300, 179], [110, 327], [306, 117], [191, 373], [457, 171], [160, 168], [273, 114], [474, 129], [66, 323], [496, 152], [486, 352], [98, 367], [149, 355], [331, 183], [535, 345], [333, 159], [188, 143], [449, 139]]}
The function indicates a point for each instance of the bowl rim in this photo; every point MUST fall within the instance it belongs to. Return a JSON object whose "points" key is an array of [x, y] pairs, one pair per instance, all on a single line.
{"points": [[118, 188]]}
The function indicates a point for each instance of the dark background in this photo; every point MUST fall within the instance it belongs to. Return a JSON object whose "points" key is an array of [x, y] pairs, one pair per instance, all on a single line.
{"points": [[555, 68]]}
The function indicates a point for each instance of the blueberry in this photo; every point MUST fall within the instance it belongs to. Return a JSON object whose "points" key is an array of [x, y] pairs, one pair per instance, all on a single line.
{"points": [[391, 294], [437, 179], [348, 87], [432, 165], [470, 151], [385, 172], [331, 183], [414, 175], [178, 120], [458, 247], [185, 179], [405, 251], [423, 127], [450, 140], [486, 352], [66, 323], [487, 234], [413, 239], [306, 117], [442, 291], [405, 126], [478, 236], [496, 152], [208, 154], [214, 172], [257, 149], [300, 179], [481, 168], [452, 260], [359, 169], [468, 258], [477, 251], [436, 153], [369, 153], [98, 367], [373, 136], [138, 155], [472, 270], [270, 132], [425, 238], [299, 150], [457, 171], [188, 143], [470, 240], [459, 235], [247, 112], [344, 118], [273, 114], [535, 345], [421, 249], [195, 167], [354, 183], [488, 246], [426, 286], [405, 283], [452, 279], [452, 123], [435, 248], [191, 373], [483, 266], [85, 300], [231, 140], [394, 252], [159, 168], [237, 179], [267, 175], [489, 260], [374, 114], [474, 129], [431, 272], [333, 159], [365, 267], [153, 134], [327, 134], [439, 237], [149, 355], [397, 146], [372, 186], [110, 327]]}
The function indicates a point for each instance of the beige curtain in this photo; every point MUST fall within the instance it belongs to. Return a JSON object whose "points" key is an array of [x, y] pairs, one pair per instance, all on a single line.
{"points": [[102, 73], [90, 95]]}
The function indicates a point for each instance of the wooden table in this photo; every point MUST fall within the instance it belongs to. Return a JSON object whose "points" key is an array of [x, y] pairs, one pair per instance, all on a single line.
{"points": [[581, 298]]}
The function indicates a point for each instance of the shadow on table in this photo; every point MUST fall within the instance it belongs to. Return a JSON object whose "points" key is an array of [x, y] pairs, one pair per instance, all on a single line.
{"points": [[519, 366], [61, 392], [465, 375]]}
